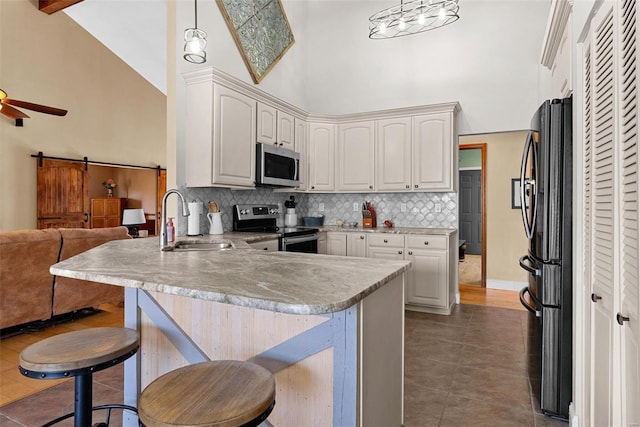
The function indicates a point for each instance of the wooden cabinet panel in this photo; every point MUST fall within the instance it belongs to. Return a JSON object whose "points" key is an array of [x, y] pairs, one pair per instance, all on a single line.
{"points": [[357, 244], [286, 130], [337, 244], [321, 156], [355, 156], [266, 125], [393, 153], [107, 212], [428, 279], [433, 153]]}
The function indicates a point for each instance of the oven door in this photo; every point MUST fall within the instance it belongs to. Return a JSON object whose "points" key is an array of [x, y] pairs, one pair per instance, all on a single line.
{"points": [[307, 244]]}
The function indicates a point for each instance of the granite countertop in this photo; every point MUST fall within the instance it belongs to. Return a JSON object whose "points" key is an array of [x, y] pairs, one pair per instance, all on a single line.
{"points": [[394, 230], [286, 282]]}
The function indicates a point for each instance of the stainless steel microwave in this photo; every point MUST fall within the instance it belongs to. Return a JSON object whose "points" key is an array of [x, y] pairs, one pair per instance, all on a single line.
{"points": [[276, 166]]}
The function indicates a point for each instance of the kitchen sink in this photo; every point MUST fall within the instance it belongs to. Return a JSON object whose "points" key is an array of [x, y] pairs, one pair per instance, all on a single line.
{"points": [[202, 246]]}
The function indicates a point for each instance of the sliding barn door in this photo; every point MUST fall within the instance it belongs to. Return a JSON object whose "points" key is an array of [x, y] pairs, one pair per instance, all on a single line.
{"points": [[63, 194]]}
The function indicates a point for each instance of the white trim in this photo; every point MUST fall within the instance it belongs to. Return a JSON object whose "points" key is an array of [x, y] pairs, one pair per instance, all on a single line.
{"points": [[506, 285]]}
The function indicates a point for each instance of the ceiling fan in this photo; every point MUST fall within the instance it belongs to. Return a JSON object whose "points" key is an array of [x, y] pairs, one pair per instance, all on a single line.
{"points": [[7, 107]]}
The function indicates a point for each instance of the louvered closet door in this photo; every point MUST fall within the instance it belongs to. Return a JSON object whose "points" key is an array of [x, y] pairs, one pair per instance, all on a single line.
{"points": [[611, 233], [629, 286], [601, 220]]}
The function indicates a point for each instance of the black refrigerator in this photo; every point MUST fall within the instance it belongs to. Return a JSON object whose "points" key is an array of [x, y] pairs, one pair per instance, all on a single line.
{"points": [[546, 204]]}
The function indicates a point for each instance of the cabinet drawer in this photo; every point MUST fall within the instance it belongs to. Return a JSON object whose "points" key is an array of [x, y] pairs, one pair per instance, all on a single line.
{"points": [[388, 240], [427, 242]]}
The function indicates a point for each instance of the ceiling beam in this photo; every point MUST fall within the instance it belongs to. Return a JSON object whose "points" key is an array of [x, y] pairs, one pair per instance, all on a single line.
{"points": [[51, 6]]}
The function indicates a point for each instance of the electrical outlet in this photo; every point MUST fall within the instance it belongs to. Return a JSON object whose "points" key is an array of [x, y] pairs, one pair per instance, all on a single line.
{"points": [[438, 207], [321, 207], [403, 207], [356, 207]]}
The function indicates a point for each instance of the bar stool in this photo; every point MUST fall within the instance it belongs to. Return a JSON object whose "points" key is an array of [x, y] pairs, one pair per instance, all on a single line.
{"points": [[79, 354], [221, 393]]}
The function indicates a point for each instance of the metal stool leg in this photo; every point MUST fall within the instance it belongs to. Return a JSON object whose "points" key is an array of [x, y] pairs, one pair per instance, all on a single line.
{"points": [[83, 401]]}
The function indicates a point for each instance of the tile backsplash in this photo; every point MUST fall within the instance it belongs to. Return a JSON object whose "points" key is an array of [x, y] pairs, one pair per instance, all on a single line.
{"points": [[422, 209]]}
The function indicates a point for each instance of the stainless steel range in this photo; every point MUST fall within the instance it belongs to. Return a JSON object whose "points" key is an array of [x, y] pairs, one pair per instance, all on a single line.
{"points": [[262, 219]]}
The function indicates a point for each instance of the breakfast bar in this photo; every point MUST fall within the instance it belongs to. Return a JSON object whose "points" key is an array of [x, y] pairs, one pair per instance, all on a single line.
{"points": [[330, 328]]}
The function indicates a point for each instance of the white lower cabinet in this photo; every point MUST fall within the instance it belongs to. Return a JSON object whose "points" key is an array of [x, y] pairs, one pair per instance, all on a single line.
{"points": [[357, 244], [430, 282], [265, 245], [322, 243], [337, 243]]}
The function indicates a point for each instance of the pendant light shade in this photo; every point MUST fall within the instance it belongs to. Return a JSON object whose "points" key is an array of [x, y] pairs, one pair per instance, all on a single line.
{"points": [[412, 17], [195, 42]]}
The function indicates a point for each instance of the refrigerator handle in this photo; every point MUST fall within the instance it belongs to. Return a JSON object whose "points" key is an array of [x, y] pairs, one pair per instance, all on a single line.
{"points": [[534, 271], [529, 223], [526, 304]]}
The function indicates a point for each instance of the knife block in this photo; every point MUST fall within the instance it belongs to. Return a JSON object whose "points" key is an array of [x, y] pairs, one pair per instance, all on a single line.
{"points": [[369, 222]]}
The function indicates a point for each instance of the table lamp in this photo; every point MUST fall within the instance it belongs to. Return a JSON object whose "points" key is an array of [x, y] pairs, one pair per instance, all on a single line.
{"points": [[132, 218]]}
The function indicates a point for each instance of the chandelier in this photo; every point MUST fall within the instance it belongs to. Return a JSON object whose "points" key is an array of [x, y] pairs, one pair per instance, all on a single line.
{"points": [[412, 17], [195, 42]]}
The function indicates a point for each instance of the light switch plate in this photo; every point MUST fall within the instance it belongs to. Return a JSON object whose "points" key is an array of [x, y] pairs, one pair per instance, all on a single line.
{"points": [[403, 207], [356, 207], [321, 207], [438, 207]]}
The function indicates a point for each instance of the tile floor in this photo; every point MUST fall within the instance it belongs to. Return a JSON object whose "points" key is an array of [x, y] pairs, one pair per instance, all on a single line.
{"points": [[466, 369]]}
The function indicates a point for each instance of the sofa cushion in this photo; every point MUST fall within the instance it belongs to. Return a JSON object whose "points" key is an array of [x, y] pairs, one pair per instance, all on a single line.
{"points": [[73, 294], [26, 286]]}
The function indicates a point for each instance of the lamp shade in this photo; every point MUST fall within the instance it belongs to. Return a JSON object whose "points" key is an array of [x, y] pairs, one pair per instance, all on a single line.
{"points": [[133, 217]]}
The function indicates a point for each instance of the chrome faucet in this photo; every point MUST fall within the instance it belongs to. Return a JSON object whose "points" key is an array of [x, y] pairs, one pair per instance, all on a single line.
{"points": [[164, 244]]}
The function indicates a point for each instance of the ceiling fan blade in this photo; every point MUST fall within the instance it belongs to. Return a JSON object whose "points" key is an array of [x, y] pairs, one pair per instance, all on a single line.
{"points": [[35, 107], [11, 112]]}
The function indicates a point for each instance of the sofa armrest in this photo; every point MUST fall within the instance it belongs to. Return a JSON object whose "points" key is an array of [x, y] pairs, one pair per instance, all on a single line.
{"points": [[26, 286]]}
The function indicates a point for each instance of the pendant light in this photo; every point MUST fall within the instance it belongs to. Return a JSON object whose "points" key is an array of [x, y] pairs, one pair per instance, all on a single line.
{"points": [[412, 17], [195, 42]]}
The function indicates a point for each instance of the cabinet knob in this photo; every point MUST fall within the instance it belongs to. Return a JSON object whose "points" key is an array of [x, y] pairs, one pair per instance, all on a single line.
{"points": [[407, 186], [621, 319], [595, 297], [371, 187], [275, 143], [410, 252], [362, 237], [400, 253], [386, 241], [281, 144], [416, 186], [265, 249], [313, 187], [426, 242]]}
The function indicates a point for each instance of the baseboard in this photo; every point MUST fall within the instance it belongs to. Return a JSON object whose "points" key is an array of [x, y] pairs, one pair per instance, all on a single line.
{"points": [[506, 285]]}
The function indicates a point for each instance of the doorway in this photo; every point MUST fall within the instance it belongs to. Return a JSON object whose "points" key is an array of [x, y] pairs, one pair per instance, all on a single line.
{"points": [[473, 260]]}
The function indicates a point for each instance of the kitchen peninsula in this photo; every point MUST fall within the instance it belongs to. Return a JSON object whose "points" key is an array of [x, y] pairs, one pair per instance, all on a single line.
{"points": [[329, 327]]}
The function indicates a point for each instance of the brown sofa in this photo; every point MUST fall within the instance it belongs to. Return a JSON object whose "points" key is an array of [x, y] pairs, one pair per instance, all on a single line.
{"points": [[28, 292]]}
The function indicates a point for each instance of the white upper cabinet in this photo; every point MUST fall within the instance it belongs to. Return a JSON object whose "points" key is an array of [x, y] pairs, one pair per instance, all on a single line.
{"points": [[220, 135], [301, 146], [322, 141], [286, 130], [435, 158], [266, 133], [275, 127], [355, 156], [393, 153], [556, 53]]}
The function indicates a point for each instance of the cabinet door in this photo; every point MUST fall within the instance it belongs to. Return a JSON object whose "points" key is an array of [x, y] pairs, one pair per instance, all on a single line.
{"points": [[393, 154], [382, 252], [234, 154], [265, 245], [300, 136], [355, 156], [322, 243], [433, 152], [428, 280], [321, 156], [337, 244], [106, 212], [357, 244], [267, 133], [286, 131]]}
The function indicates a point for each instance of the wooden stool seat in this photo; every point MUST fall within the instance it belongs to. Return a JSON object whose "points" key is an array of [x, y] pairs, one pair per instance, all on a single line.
{"points": [[221, 393], [62, 355], [79, 354]]}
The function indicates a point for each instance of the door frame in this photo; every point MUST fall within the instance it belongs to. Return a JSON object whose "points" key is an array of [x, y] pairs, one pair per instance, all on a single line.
{"points": [[483, 203]]}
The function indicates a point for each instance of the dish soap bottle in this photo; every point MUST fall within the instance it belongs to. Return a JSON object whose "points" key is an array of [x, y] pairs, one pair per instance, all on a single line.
{"points": [[170, 230]]}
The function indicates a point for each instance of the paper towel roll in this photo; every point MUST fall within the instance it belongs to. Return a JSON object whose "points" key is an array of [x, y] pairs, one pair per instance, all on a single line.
{"points": [[193, 220]]}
